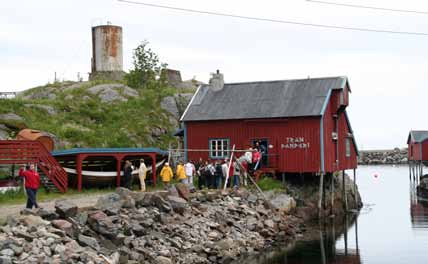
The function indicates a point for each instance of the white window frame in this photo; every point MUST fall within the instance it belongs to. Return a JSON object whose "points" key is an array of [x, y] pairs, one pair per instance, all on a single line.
{"points": [[347, 147], [219, 148]]}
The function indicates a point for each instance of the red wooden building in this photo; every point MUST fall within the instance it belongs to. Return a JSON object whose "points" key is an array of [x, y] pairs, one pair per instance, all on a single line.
{"points": [[303, 123], [418, 146]]}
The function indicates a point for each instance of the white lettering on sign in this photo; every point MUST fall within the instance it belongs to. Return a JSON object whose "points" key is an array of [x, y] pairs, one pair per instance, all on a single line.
{"points": [[295, 143]]}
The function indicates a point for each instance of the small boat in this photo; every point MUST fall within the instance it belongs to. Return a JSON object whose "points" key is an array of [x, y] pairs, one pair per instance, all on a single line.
{"points": [[106, 177], [6, 185]]}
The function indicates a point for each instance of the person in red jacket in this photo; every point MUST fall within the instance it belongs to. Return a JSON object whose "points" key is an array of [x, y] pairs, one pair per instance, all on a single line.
{"points": [[32, 184]]}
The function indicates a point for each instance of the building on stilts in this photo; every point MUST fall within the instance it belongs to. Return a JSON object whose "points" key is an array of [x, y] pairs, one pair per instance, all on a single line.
{"points": [[302, 123]]}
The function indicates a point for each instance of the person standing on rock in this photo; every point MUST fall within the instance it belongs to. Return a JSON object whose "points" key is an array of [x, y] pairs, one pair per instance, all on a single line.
{"points": [[32, 184], [189, 168], [166, 175], [142, 172], [127, 175], [180, 173]]}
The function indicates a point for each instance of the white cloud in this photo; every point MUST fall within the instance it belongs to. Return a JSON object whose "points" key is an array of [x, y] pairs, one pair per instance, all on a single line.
{"points": [[388, 73]]}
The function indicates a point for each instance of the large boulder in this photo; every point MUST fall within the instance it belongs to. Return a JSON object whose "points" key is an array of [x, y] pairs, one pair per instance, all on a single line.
{"points": [[179, 205], [113, 92], [283, 202], [65, 209], [4, 132], [102, 224], [65, 226], [88, 241], [110, 203], [49, 109], [182, 190], [169, 104], [13, 121]]}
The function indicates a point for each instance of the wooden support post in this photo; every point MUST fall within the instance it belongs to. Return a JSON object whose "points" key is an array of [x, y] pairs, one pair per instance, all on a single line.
{"points": [[413, 170], [410, 172], [332, 193], [356, 236], [79, 161], [118, 169], [322, 247], [320, 194], [355, 189], [345, 199], [154, 169], [345, 234]]}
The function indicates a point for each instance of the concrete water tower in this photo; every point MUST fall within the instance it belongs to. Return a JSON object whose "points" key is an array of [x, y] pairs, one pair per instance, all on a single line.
{"points": [[107, 57]]}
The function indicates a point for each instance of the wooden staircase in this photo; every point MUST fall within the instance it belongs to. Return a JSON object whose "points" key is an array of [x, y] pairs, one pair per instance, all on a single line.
{"points": [[53, 176]]}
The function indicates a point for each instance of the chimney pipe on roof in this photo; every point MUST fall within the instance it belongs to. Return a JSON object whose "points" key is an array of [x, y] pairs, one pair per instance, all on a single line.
{"points": [[217, 81]]}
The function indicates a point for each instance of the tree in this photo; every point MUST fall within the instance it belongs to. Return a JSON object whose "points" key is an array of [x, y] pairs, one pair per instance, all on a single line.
{"points": [[147, 69]]}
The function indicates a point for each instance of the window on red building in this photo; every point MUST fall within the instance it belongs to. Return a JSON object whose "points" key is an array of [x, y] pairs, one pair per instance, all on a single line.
{"points": [[219, 148]]}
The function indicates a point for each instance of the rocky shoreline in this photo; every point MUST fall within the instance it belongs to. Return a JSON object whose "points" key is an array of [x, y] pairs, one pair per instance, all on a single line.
{"points": [[161, 227], [374, 157], [172, 226]]}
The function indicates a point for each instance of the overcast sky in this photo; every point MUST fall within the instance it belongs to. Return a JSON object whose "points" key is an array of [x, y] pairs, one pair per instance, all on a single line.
{"points": [[387, 73]]}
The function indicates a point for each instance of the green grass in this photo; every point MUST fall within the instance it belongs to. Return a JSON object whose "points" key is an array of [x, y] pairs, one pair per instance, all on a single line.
{"points": [[11, 197], [90, 123], [267, 184]]}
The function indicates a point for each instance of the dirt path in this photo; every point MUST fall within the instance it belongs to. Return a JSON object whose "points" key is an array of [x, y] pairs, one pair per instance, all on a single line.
{"points": [[82, 200]]}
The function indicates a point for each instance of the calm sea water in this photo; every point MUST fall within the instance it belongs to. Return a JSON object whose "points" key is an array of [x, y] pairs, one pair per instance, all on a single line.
{"points": [[392, 227]]}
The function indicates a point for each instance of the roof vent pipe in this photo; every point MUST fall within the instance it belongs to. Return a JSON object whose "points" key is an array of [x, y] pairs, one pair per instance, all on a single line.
{"points": [[217, 81]]}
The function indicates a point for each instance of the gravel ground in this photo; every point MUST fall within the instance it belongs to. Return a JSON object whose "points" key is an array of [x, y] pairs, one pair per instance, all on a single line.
{"points": [[83, 200]]}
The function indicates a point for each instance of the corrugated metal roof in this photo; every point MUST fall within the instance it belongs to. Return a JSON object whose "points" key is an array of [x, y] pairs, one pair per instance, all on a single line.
{"points": [[271, 99], [418, 136], [107, 150]]}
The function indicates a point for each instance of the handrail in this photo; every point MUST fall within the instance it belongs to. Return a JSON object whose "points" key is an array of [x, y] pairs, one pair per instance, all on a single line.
{"points": [[24, 151]]}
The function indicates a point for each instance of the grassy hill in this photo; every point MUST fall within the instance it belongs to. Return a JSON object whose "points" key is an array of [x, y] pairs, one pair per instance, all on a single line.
{"points": [[94, 114]]}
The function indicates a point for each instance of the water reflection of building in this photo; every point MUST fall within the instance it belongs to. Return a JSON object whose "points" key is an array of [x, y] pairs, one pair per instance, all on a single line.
{"points": [[418, 210], [320, 247]]}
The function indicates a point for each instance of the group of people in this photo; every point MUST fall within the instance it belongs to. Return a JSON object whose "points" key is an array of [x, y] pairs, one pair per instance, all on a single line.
{"points": [[212, 174]]}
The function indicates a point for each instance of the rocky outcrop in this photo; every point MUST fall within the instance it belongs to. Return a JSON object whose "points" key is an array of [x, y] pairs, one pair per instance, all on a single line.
{"points": [[4, 132], [150, 228], [113, 92], [176, 105], [372, 157], [12, 121], [49, 109]]}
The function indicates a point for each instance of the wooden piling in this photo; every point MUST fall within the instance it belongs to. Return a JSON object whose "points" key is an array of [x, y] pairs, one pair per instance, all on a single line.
{"points": [[320, 194], [345, 199], [332, 193], [355, 189]]}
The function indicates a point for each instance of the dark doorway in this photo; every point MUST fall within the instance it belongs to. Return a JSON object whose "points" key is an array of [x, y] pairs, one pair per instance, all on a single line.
{"points": [[264, 148]]}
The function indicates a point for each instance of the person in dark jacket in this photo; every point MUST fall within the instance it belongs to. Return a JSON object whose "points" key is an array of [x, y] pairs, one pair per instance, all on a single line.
{"points": [[32, 184], [127, 175], [218, 174]]}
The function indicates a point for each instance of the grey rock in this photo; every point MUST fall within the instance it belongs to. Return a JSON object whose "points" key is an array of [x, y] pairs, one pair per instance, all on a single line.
{"points": [[7, 252], [111, 203], [163, 260], [178, 204], [65, 209], [5, 260], [12, 120], [170, 105], [65, 226], [102, 224], [49, 109], [45, 93], [160, 203], [113, 92], [88, 241], [47, 214]]}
